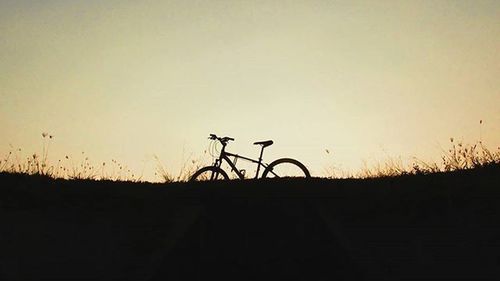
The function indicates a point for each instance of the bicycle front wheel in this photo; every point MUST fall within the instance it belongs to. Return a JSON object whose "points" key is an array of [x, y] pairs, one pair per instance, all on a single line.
{"points": [[286, 167], [209, 173]]}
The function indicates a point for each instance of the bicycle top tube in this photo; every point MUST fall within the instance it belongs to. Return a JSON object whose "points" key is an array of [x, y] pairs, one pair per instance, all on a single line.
{"points": [[229, 154]]}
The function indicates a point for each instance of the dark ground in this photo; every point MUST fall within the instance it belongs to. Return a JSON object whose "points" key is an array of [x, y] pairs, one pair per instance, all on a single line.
{"points": [[432, 227]]}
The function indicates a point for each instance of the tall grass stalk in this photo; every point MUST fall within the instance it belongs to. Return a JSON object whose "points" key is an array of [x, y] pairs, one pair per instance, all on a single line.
{"points": [[459, 156]]}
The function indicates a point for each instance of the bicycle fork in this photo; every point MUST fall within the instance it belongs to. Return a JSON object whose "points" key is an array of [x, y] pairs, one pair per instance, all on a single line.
{"points": [[215, 173]]}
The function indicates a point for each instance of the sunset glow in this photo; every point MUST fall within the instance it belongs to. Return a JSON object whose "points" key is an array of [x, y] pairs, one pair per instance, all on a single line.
{"points": [[333, 83]]}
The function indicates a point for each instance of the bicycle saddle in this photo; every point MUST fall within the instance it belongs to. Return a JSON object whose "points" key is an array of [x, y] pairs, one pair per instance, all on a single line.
{"points": [[264, 143]]}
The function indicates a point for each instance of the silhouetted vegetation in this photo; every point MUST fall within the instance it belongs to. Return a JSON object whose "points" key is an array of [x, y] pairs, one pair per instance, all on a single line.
{"points": [[70, 167], [459, 156], [76, 220], [420, 227]]}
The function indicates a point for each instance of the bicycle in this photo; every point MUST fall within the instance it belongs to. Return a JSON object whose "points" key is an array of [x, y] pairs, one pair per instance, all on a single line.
{"points": [[283, 167]]}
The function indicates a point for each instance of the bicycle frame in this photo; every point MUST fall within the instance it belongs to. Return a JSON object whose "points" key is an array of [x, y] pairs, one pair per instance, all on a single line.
{"points": [[269, 169], [225, 156]]}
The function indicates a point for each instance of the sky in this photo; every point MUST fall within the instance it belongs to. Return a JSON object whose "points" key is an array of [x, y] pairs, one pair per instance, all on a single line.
{"points": [[365, 80]]}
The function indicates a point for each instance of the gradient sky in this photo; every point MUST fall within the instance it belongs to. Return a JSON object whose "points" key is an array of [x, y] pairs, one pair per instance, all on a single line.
{"points": [[364, 79]]}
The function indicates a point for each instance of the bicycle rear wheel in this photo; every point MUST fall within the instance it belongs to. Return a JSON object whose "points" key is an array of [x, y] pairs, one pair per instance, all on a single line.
{"points": [[209, 173], [286, 167]]}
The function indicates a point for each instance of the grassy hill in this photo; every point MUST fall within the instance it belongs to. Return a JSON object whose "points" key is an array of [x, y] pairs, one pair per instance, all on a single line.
{"points": [[442, 226]]}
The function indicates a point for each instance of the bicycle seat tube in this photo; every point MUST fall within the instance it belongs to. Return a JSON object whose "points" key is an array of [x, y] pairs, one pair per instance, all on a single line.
{"points": [[260, 162]]}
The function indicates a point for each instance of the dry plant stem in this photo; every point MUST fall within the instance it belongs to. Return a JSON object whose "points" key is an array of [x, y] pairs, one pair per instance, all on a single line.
{"points": [[188, 168], [458, 157]]}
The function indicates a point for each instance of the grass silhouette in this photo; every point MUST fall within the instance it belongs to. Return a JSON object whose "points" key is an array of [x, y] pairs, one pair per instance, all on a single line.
{"points": [[388, 222], [188, 168], [459, 156], [70, 167], [415, 226]]}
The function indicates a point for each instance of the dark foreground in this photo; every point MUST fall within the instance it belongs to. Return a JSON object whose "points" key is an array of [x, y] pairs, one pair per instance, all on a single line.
{"points": [[434, 227]]}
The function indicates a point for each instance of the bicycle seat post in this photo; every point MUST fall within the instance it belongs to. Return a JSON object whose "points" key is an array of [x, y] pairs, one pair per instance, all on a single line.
{"points": [[263, 144]]}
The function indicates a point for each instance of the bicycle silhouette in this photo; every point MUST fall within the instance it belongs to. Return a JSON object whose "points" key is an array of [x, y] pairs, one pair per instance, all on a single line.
{"points": [[283, 167]]}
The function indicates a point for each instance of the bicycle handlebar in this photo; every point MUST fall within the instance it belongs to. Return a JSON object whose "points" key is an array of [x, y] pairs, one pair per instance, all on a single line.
{"points": [[223, 140]]}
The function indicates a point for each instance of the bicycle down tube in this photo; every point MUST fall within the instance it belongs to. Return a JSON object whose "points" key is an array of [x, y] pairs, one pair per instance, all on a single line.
{"points": [[225, 155]]}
